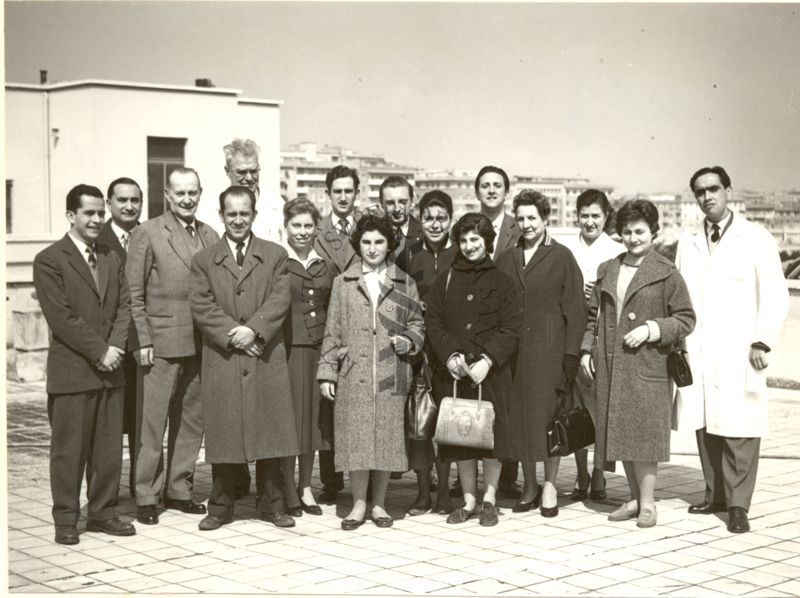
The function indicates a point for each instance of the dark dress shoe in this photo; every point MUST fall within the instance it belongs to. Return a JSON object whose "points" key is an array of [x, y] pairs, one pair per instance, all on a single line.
{"points": [[707, 508], [295, 511], [310, 509], [383, 521], [349, 525], [443, 507], [599, 494], [579, 493], [738, 522], [113, 527], [279, 519], [510, 490], [212, 522], [419, 508], [185, 506], [524, 507], [328, 495], [147, 515], [488, 515], [460, 515], [66, 534]]}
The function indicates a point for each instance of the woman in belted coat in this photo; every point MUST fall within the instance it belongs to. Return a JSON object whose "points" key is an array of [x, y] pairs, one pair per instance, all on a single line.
{"points": [[374, 327], [549, 281], [640, 307], [310, 279], [473, 321]]}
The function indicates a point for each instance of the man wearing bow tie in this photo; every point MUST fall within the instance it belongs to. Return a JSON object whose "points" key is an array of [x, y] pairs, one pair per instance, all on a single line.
{"points": [[158, 271], [80, 285], [124, 202]]}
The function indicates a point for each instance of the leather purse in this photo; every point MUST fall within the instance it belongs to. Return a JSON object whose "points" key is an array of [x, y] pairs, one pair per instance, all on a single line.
{"points": [[465, 422], [678, 367], [571, 427], [421, 411]]}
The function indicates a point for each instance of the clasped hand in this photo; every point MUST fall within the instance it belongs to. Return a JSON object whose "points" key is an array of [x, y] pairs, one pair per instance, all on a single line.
{"points": [[110, 360], [244, 339], [458, 368]]}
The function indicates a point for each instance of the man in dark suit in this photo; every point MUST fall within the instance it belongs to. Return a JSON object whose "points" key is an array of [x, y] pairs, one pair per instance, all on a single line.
{"points": [[397, 196], [124, 201], [333, 244], [158, 272], [491, 188], [81, 287], [240, 297]]}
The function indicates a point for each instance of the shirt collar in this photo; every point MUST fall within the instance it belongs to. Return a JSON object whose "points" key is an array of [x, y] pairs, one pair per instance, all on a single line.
{"points": [[81, 245], [335, 218], [119, 231], [497, 223], [366, 269], [723, 224], [232, 244], [313, 256]]}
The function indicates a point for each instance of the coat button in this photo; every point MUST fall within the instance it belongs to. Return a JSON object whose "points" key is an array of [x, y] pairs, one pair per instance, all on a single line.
{"points": [[390, 360], [310, 291], [313, 314], [245, 372], [470, 297], [242, 320], [389, 308], [468, 327], [631, 316], [239, 291]]}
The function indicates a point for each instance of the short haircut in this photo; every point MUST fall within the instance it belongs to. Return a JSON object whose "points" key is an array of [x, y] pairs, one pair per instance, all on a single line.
{"points": [[718, 170], [123, 180], [478, 223], [183, 170], [237, 190], [369, 223], [299, 205], [246, 147], [529, 197], [488, 169], [593, 196], [75, 194], [638, 209], [436, 198], [395, 180], [341, 172]]}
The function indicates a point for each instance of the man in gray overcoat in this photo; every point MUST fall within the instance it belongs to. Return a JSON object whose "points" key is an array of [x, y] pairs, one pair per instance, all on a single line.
{"points": [[239, 298]]}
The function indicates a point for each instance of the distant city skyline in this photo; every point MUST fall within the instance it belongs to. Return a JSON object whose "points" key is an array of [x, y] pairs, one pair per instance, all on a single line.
{"points": [[633, 95]]}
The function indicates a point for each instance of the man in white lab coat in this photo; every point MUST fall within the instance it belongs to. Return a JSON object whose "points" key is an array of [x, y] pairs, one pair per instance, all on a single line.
{"points": [[733, 271]]}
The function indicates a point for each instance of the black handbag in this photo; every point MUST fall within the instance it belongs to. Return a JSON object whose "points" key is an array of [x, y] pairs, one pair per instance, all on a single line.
{"points": [[571, 427], [421, 411], [678, 367]]}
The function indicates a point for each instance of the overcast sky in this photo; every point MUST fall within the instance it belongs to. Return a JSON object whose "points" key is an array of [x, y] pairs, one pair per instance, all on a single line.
{"points": [[637, 96]]}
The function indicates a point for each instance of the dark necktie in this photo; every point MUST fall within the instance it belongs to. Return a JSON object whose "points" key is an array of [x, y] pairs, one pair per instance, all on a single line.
{"points": [[190, 230], [92, 259], [715, 233], [343, 227], [239, 253]]}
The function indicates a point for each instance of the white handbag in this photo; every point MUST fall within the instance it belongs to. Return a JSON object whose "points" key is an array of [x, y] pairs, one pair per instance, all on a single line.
{"points": [[465, 422]]}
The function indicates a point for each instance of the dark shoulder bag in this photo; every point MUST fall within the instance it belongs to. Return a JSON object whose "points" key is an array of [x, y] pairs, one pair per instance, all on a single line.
{"points": [[571, 427]]}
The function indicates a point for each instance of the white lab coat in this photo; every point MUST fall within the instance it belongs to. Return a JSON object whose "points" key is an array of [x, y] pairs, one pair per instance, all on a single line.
{"points": [[740, 297]]}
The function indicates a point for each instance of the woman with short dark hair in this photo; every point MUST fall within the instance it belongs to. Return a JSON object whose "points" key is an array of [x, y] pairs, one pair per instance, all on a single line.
{"points": [[549, 281], [473, 320], [373, 329], [639, 309]]}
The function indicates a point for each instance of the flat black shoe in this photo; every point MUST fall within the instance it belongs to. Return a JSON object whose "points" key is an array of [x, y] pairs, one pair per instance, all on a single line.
{"points": [[147, 515], [738, 522], [192, 507], [212, 522], [295, 511], [707, 508], [524, 507], [112, 527], [549, 511], [67, 535], [349, 525], [488, 515], [599, 494], [419, 509], [460, 515], [310, 509], [383, 521]]}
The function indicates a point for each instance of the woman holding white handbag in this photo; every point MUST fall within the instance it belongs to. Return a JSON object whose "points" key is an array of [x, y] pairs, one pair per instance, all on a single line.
{"points": [[473, 323]]}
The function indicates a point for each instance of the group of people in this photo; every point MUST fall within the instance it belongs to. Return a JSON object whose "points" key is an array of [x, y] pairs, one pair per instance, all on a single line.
{"points": [[277, 352]]}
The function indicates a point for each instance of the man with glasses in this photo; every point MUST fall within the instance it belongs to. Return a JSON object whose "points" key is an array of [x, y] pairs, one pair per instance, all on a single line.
{"points": [[396, 197]]}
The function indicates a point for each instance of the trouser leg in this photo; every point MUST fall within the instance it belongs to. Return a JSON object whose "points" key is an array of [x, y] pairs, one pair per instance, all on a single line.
{"points": [[185, 430], [269, 486], [327, 471], [71, 419], [223, 488], [509, 472], [132, 420], [709, 449], [105, 459], [159, 382], [740, 469]]}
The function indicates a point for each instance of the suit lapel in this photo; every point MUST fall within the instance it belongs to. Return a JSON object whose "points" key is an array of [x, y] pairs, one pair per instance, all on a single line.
{"points": [[650, 271], [176, 239], [79, 264], [103, 269], [519, 266], [538, 256]]}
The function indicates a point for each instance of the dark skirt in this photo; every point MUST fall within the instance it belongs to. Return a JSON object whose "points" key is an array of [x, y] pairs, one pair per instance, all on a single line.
{"points": [[493, 392], [303, 360]]}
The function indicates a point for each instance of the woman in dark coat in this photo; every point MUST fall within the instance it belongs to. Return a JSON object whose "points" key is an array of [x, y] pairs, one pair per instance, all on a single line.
{"points": [[373, 330], [473, 321], [549, 281], [311, 279], [435, 255], [639, 309]]}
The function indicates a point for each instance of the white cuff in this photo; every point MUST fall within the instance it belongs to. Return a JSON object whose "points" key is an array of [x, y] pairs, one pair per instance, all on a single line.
{"points": [[655, 331]]}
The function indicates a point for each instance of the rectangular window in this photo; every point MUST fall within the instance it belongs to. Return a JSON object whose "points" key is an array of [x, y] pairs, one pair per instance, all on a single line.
{"points": [[164, 154]]}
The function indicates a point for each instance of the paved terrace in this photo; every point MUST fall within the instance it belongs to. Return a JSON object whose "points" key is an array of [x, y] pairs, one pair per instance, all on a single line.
{"points": [[577, 553]]}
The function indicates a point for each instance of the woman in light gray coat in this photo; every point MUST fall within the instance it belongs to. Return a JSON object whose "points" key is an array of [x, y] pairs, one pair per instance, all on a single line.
{"points": [[639, 309], [374, 326]]}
